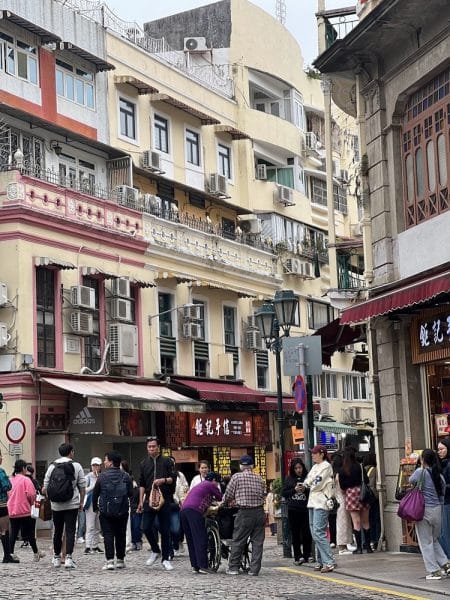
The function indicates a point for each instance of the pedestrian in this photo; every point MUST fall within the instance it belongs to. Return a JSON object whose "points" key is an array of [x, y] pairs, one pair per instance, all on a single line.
{"points": [[30, 473], [203, 470], [92, 518], [65, 486], [21, 498], [344, 529], [320, 483], [246, 490], [429, 529], [110, 498], [270, 510], [192, 518], [135, 518], [350, 477], [5, 486], [176, 530], [443, 451], [370, 465], [297, 505], [156, 469]]}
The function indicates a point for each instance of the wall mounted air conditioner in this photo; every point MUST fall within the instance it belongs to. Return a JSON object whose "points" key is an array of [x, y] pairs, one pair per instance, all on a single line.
{"points": [[83, 297], [261, 172], [4, 336], [120, 309], [294, 266], [357, 229], [151, 160], [81, 323], [251, 322], [192, 311], [192, 331], [121, 287], [251, 224], [127, 196], [217, 184], [195, 44], [151, 204], [123, 348], [285, 195], [310, 140], [3, 294], [253, 340]]}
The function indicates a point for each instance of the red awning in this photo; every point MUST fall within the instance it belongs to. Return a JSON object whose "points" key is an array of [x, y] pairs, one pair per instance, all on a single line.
{"points": [[402, 297], [271, 403], [221, 391], [336, 335]]}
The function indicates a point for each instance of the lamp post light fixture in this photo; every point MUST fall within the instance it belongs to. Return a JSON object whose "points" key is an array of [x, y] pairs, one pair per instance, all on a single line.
{"points": [[279, 314]]}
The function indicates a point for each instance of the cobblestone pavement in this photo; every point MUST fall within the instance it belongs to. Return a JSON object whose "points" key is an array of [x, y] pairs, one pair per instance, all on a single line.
{"points": [[41, 581]]}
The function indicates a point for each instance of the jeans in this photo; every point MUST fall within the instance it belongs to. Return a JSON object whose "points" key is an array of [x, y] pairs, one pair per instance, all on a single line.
{"points": [[81, 527], [114, 535], [136, 528], [318, 521], [148, 521], [64, 520], [444, 540], [175, 529]]}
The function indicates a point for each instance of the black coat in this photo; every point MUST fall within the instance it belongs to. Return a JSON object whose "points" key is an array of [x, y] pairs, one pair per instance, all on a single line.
{"points": [[295, 500], [158, 468]]}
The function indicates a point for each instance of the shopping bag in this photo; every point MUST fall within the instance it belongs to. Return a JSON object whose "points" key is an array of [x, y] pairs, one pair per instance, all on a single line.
{"points": [[412, 505]]}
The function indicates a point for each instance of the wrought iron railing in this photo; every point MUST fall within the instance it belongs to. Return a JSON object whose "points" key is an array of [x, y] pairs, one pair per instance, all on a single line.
{"points": [[339, 25]]}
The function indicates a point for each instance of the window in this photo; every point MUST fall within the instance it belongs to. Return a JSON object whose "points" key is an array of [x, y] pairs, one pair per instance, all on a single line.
{"points": [[228, 229], [325, 386], [318, 191], [224, 154], [192, 147], [319, 314], [161, 134], [76, 173], [74, 84], [165, 314], [19, 58], [262, 369], [127, 117], [201, 349], [45, 317], [31, 146], [229, 325], [355, 387], [92, 347], [283, 176]]}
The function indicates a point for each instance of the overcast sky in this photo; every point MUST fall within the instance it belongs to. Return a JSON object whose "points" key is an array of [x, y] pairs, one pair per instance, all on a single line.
{"points": [[300, 20]]}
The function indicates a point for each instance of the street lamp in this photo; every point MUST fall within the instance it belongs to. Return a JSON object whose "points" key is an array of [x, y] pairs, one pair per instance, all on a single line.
{"points": [[278, 314]]}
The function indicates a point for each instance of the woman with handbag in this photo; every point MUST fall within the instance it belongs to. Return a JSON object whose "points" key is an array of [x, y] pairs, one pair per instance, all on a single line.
{"points": [[428, 530], [351, 476]]}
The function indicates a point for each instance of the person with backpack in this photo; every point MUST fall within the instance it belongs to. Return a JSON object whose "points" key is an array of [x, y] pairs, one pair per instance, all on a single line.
{"points": [[110, 497], [65, 487]]}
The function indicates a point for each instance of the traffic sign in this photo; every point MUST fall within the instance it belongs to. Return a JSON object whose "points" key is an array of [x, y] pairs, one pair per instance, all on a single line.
{"points": [[313, 355], [15, 449], [15, 430]]}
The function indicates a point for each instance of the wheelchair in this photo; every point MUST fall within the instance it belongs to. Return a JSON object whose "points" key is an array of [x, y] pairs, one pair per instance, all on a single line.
{"points": [[219, 529]]}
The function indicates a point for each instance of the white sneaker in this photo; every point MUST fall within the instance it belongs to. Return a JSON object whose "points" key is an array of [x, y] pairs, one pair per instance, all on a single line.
{"points": [[153, 558], [69, 563], [56, 561], [80, 540], [341, 552], [109, 566], [120, 564], [351, 547], [167, 565]]}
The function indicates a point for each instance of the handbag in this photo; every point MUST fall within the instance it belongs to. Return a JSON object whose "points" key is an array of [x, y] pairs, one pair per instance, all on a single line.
{"points": [[332, 503], [366, 495], [156, 499], [412, 505], [36, 506]]}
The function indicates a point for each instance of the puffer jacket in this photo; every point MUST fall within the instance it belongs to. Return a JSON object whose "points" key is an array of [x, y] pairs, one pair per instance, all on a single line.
{"points": [[5, 486], [21, 496], [321, 485]]}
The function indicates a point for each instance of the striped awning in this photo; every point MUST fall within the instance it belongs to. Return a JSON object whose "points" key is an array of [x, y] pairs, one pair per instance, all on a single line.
{"points": [[97, 271], [335, 427], [204, 118], [138, 84], [46, 261], [234, 133]]}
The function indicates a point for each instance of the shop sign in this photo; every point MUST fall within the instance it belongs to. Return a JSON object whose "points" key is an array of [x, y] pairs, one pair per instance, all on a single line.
{"points": [[211, 429], [185, 456], [84, 419], [434, 333], [442, 424]]}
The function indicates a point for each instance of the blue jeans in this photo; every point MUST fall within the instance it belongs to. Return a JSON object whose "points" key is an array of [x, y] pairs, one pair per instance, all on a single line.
{"points": [[318, 521], [444, 539], [136, 528], [175, 529]]}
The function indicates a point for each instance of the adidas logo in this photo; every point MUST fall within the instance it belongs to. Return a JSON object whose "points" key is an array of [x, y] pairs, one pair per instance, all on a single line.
{"points": [[84, 417]]}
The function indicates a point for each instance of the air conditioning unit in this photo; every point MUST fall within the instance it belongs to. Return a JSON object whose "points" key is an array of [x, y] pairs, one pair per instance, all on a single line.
{"points": [[192, 312], [218, 184], [121, 287], [251, 225], [192, 331], [253, 340], [357, 229], [151, 160], [3, 294], [297, 267], [83, 296], [336, 168], [311, 140], [81, 323], [151, 204], [195, 44], [285, 195], [261, 172], [251, 322], [127, 196], [4, 336], [123, 348], [120, 309]]}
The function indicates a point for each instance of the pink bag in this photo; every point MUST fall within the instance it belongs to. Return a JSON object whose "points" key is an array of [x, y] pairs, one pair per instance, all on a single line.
{"points": [[412, 505]]}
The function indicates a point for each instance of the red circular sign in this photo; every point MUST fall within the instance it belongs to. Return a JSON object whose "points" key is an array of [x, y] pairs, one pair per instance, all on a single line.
{"points": [[15, 430]]}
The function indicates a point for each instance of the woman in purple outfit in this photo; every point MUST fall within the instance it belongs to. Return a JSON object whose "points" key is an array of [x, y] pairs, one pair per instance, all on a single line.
{"points": [[198, 500]]}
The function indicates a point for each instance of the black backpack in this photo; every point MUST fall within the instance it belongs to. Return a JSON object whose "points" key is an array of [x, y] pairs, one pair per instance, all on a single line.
{"points": [[60, 486], [114, 494]]}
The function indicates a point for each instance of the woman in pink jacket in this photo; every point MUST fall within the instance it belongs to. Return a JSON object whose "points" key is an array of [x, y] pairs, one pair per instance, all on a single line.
{"points": [[21, 498]]}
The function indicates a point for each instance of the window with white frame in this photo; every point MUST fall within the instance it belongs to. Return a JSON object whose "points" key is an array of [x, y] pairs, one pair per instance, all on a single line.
{"points": [[325, 386], [355, 387], [224, 160], [76, 173], [192, 147], [75, 84], [127, 119], [161, 133], [19, 58], [319, 314]]}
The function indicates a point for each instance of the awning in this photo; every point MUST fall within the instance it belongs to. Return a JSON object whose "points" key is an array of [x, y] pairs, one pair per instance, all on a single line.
{"points": [[111, 394], [203, 117], [97, 271], [335, 335], [46, 36], [141, 86], [335, 427], [219, 391], [397, 299], [99, 63], [234, 133], [271, 403], [142, 283], [46, 261]]}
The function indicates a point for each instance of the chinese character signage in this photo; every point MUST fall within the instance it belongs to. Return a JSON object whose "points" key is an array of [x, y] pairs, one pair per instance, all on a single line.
{"points": [[430, 336], [210, 429]]}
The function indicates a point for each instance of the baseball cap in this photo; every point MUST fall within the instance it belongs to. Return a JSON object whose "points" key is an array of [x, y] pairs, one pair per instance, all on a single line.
{"points": [[318, 449], [246, 460], [211, 476], [96, 461]]}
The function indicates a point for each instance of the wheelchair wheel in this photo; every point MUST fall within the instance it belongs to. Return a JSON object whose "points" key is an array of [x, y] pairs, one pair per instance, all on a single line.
{"points": [[214, 547], [246, 557]]}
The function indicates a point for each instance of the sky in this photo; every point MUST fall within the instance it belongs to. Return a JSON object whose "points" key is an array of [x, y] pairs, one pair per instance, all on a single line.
{"points": [[300, 15]]}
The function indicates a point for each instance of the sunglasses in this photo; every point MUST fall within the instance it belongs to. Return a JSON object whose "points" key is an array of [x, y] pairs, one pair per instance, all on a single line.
{"points": [[152, 439]]}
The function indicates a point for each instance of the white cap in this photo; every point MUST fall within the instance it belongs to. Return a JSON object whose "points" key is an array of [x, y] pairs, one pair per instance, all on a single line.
{"points": [[96, 461]]}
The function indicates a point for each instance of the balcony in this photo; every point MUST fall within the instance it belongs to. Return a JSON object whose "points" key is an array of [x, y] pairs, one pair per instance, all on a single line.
{"points": [[338, 23]]}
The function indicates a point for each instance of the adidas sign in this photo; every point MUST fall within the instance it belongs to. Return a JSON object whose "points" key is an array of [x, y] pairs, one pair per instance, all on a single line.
{"points": [[84, 417]]}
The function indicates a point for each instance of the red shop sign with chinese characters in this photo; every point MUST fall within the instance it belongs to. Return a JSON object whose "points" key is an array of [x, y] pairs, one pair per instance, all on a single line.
{"points": [[213, 428]]}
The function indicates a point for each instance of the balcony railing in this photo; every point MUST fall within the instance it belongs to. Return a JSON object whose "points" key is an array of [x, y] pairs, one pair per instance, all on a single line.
{"points": [[350, 280], [338, 23]]}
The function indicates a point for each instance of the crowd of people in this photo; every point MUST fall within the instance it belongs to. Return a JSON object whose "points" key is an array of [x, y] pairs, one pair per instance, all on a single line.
{"points": [[328, 512]]}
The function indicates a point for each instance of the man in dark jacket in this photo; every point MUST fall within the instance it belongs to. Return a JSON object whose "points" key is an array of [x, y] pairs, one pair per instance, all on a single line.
{"points": [[158, 470], [110, 496]]}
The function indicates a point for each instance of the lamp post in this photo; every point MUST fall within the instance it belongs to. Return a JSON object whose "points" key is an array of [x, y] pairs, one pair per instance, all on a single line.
{"points": [[279, 314]]}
